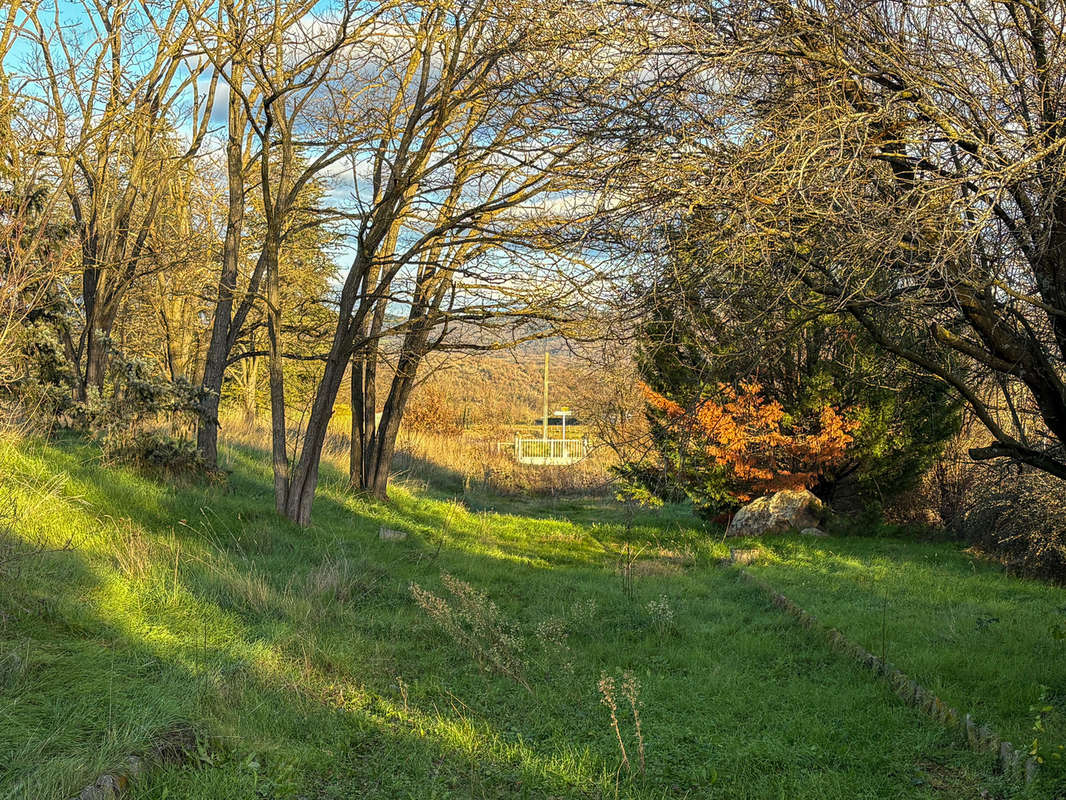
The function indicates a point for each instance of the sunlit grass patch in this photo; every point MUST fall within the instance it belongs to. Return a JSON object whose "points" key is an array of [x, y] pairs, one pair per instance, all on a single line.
{"points": [[309, 670], [977, 637]]}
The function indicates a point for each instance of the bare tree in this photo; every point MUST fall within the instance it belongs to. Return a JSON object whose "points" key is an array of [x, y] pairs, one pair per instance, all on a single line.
{"points": [[33, 250], [113, 90], [282, 63], [458, 213], [230, 33]]}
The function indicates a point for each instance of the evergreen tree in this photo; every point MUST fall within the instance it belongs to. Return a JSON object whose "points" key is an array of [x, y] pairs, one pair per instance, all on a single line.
{"points": [[782, 387]]}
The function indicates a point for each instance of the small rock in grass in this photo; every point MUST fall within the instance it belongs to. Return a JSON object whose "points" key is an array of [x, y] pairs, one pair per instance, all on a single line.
{"points": [[134, 767], [932, 705], [910, 694], [105, 788], [921, 697], [971, 730], [813, 532], [391, 535], [987, 738], [1031, 767], [1006, 756]]}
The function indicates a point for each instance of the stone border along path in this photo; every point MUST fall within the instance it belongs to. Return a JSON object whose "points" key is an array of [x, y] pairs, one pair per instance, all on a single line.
{"points": [[980, 738], [171, 747]]}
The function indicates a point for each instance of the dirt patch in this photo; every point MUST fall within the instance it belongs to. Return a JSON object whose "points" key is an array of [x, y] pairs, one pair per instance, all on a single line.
{"points": [[950, 781]]}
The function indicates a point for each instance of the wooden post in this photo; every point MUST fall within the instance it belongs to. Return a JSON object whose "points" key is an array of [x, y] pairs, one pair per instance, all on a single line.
{"points": [[545, 394]]}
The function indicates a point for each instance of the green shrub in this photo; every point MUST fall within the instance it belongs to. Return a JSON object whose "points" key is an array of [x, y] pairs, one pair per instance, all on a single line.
{"points": [[899, 421], [156, 453]]}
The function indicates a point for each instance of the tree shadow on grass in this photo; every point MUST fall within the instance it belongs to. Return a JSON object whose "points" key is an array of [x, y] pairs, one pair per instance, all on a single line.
{"points": [[239, 625], [169, 651], [977, 637], [302, 657]]}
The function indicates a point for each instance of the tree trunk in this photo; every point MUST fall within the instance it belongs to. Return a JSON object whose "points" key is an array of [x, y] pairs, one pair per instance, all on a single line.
{"points": [[364, 401], [251, 384], [95, 362], [278, 432], [377, 456], [214, 372], [361, 399], [222, 338], [305, 476], [98, 334], [378, 467]]}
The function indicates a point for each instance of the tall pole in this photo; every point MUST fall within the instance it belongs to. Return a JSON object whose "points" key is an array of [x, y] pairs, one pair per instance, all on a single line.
{"points": [[545, 394]]}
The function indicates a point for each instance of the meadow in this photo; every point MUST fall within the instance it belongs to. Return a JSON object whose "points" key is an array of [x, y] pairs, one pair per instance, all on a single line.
{"points": [[473, 658], [980, 639], [737, 249]]}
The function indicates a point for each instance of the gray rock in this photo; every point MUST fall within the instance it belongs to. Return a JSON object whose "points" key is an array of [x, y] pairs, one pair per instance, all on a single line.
{"points": [[777, 513], [391, 535], [813, 532], [1031, 768], [107, 787], [134, 767], [1006, 756]]}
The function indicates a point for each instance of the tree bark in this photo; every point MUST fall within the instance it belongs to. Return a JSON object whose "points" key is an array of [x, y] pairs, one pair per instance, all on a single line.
{"points": [[305, 476], [364, 401], [376, 458], [222, 338], [251, 383], [278, 432]]}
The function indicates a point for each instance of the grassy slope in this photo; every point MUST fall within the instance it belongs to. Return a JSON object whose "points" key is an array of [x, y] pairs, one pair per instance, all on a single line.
{"points": [[978, 638], [303, 658]]}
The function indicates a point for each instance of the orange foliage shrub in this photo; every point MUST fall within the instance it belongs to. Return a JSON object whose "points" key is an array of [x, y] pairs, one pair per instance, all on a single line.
{"points": [[742, 432]]}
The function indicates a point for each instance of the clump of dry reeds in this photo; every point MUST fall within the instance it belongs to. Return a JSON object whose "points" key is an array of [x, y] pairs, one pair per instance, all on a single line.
{"points": [[477, 625], [476, 460]]}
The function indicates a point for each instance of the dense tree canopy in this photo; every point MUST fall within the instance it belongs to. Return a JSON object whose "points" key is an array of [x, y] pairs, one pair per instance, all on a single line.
{"points": [[330, 187], [899, 164], [748, 396], [871, 197]]}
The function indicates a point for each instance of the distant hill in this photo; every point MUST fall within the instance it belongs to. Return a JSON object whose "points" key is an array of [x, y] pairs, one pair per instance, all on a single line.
{"points": [[495, 387]]}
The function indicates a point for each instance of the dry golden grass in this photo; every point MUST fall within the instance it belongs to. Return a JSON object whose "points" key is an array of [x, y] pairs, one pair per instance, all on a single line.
{"points": [[131, 550], [470, 461], [475, 461]]}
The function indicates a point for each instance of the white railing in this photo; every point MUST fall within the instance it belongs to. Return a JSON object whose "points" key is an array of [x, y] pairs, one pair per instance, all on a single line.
{"points": [[550, 451]]}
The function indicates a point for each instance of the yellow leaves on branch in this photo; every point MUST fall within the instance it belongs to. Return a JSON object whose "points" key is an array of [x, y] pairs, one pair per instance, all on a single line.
{"points": [[742, 431]]}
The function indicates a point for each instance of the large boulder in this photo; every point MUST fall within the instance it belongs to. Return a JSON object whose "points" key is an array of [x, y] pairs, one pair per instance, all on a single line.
{"points": [[777, 513]]}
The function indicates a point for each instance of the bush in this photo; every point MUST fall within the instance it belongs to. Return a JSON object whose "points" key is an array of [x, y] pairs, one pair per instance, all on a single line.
{"points": [[1021, 518], [156, 453], [1012, 513], [735, 445], [944, 493], [808, 400]]}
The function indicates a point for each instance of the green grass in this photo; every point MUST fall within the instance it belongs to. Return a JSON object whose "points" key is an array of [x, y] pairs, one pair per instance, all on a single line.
{"points": [[309, 671], [977, 637]]}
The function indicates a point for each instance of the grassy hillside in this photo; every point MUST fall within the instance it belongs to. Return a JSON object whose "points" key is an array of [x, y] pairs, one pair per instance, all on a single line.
{"points": [[304, 664]]}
